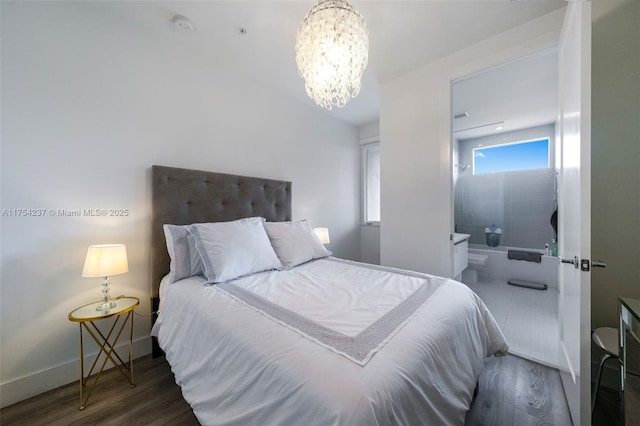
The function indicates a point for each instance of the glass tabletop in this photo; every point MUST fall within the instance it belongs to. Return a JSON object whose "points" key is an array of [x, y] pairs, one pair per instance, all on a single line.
{"points": [[633, 307], [89, 312]]}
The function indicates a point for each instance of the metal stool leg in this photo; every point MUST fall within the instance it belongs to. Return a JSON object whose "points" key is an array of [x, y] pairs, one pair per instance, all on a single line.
{"points": [[598, 377]]}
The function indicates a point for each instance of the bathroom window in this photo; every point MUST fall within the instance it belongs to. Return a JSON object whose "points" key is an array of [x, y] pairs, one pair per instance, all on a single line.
{"points": [[371, 182], [525, 155]]}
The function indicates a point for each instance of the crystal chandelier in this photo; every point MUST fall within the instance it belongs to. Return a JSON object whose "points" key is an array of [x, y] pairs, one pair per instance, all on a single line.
{"points": [[332, 51]]}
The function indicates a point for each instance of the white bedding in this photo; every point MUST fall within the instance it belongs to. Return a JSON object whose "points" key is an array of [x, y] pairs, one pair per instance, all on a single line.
{"points": [[237, 365]]}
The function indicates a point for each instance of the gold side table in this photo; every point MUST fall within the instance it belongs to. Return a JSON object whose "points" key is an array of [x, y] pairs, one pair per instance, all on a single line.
{"points": [[87, 316]]}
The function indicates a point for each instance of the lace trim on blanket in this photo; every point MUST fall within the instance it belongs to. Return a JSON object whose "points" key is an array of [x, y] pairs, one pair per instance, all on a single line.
{"points": [[359, 348]]}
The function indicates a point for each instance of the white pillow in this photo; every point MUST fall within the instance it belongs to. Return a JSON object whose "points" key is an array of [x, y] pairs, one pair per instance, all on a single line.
{"points": [[295, 242], [233, 249], [185, 259]]}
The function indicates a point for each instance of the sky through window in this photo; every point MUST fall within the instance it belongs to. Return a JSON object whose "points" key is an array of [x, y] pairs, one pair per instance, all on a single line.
{"points": [[511, 157]]}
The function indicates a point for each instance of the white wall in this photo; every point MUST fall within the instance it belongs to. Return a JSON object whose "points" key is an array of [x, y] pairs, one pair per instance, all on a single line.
{"points": [[89, 103], [370, 131], [370, 244], [415, 124]]}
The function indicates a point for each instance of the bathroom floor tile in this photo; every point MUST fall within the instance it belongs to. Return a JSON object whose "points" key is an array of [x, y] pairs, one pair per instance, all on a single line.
{"points": [[528, 318], [497, 303]]}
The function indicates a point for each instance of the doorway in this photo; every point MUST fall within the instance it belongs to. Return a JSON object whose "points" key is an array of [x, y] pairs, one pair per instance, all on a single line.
{"points": [[505, 196]]}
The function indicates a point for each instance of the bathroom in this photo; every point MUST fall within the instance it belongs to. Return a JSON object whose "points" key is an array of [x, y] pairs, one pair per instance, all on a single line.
{"points": [[504, 180]]}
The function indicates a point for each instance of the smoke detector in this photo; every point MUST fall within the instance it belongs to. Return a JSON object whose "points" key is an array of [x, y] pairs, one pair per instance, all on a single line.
{"points": [[182, 24]]}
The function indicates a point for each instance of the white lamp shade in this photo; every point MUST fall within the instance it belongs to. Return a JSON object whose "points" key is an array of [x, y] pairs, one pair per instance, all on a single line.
{"points": [[105, 260], [323, 235]]}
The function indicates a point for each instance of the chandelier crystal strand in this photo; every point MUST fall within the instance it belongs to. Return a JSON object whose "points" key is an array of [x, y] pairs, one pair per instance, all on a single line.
{"points": [[332, 51]]}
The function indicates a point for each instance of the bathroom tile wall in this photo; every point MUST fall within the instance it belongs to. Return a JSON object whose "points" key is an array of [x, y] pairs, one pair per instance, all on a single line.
{"points": [[519, 202]]}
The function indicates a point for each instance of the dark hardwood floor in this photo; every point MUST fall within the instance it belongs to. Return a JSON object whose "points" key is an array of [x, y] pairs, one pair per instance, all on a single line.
{"points": [[512, 391], [155, 400]]}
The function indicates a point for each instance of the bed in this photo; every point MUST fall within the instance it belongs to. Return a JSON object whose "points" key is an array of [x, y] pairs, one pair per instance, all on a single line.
{"points": [[322, 342]]}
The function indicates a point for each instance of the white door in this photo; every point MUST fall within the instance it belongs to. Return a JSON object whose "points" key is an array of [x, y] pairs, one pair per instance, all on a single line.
{"points": [[574, 209]]}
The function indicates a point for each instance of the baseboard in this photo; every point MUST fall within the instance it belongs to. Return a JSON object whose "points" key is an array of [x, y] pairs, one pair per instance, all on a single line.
{"points": [[42, 381], [534, 359]]}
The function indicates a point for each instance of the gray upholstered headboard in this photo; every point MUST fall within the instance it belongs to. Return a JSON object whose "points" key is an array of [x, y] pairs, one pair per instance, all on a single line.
{"points": [[183, 196]]}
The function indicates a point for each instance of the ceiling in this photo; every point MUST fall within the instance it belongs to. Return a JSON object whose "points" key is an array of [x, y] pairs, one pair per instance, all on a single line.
{"points": [[516, 95], [403, 36]]}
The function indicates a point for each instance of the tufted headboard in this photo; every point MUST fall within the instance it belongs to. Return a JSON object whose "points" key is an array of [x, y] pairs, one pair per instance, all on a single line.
{"points": [[183, 196]]}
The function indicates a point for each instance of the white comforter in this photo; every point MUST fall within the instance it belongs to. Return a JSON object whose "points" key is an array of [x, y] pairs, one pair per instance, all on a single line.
{"points": [[236, 365]]}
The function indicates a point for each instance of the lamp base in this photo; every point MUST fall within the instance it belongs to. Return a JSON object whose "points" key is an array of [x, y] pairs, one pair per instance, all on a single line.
{"points": [[105, 306]]}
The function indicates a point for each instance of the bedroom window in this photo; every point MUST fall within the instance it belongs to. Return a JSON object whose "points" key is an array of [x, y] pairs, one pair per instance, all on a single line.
{"points": [[524, 155], [371, 182]]}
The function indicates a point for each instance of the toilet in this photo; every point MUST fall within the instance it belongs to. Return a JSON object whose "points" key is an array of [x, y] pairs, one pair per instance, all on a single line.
{"points": [[476, 263]]}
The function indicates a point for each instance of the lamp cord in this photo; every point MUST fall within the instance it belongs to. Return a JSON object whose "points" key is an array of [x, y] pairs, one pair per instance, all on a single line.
{"points": [[145, 315], [136, 313]]}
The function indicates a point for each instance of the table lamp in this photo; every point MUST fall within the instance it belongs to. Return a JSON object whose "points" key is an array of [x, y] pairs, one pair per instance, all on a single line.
{"points": [[104, 261], [323, 235]]}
